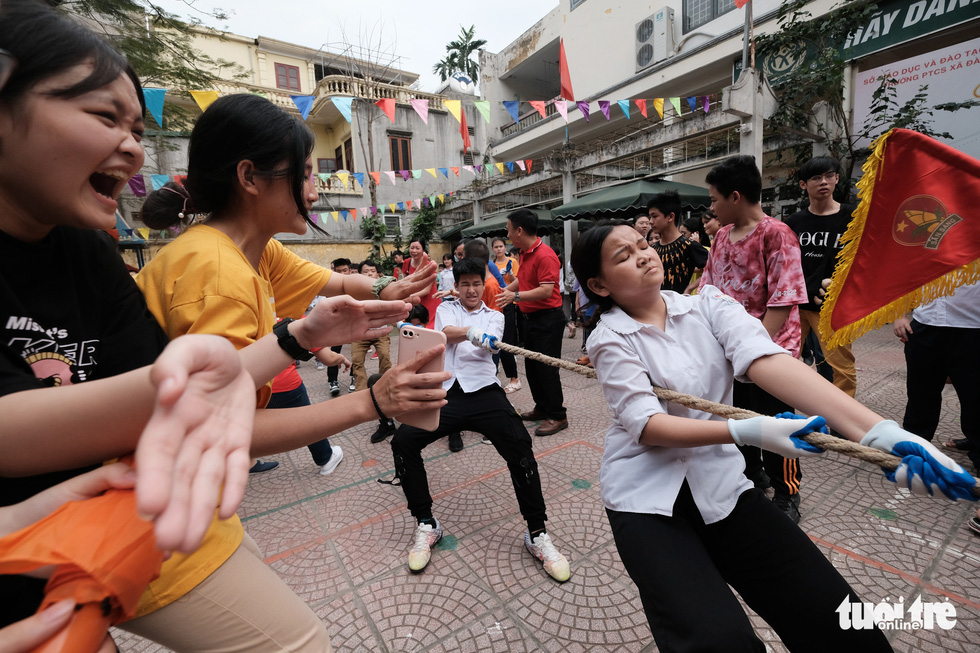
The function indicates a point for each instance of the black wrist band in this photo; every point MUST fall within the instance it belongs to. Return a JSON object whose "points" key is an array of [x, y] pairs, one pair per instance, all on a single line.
{"points": [[288, 342], [377, 408]]}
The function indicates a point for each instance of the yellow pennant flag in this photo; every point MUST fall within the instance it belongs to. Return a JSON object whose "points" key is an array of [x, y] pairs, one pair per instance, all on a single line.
{"points": [[431, 171], [392, 207], [658, 104], [342, 176], [442, 197], [334, 215], [145, 233], [500, 167], [454, 108], [204, 98]]}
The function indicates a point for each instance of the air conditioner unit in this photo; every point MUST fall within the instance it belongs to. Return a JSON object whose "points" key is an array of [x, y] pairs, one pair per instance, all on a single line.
{"points": [[654, 38]]}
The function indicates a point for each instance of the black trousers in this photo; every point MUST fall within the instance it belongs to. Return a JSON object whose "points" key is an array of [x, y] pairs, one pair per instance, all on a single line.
{"points": [[507, 359], [487, 412], [334, 370], [784, 473], [933, 353], [683, 568], [542, 333]]}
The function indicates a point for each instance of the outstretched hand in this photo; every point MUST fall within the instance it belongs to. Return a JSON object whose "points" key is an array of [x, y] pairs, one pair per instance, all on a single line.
{"points": [[924, 468], [402, 389], [415, 286], [342, 319], [195, 448], [117, 476]]}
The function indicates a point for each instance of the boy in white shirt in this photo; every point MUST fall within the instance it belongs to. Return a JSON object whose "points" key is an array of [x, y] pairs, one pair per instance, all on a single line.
{"points": [[476, 402]]}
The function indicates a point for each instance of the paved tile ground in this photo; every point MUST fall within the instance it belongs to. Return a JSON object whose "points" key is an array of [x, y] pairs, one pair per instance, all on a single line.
{"points": [[341, 541]]}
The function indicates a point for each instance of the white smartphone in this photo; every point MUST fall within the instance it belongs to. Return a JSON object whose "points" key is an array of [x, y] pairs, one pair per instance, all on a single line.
{"points": [[412, 340]]}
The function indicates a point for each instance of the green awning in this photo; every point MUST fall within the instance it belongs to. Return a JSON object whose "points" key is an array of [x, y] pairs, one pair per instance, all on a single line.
{"points": [[625, 200], [495, 224], [453, 232]]}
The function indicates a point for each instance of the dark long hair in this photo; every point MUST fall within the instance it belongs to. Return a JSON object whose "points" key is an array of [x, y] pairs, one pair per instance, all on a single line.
{"points": [[587, 261], [236, 128], [45, 44]]}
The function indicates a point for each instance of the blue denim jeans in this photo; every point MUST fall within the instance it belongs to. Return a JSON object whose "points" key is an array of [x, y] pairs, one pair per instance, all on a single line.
{"points": [[295, 398]]}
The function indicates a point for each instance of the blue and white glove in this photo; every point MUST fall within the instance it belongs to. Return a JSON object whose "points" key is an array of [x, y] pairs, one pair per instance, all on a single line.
{"points": [[482, 340], [778, 434], [924, 469]]}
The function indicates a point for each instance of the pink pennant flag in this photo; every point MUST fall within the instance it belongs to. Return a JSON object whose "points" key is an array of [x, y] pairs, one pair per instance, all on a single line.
{"points": [[520, 164], [562, 107], [604, 108], [388, 106], [376, 176], [422, 108], [364, 211], [642, 106], [391, 176], [528, 163], [583, 106], [539, 105], [469, 169], [707, 103]]}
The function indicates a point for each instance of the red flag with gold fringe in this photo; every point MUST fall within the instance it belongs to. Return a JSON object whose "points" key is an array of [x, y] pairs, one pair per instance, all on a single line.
{"points": [[914, 237]]}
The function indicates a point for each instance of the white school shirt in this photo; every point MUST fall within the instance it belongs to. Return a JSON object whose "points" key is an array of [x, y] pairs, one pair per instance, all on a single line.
{"points": [[446, 280], [708, 340], [961, 309], [472, 366]]}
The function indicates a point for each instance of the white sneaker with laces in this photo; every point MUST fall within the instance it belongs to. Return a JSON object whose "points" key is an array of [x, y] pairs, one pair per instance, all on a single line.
{"points": [[544, 550], [335, 458], [425, 538]]}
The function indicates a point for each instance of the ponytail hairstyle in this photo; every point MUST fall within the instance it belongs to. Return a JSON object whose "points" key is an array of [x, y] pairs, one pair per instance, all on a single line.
{"points": [[587, 262], [235, 128]]}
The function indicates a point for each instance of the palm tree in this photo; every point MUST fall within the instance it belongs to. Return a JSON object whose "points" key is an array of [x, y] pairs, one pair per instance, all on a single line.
{"points": [[458, 57]]}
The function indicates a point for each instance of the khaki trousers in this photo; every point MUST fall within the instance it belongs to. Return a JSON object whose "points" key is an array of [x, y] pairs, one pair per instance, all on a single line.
{"points": [[243, 606], [358, 354], [840, 359]]}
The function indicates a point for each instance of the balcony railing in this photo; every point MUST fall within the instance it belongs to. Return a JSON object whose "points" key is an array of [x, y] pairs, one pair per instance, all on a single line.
{"points": [[333, 85], [528, 119]]}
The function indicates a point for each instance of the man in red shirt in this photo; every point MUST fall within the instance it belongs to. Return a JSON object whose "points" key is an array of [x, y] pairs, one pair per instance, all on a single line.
{"points": [[538, 297]]}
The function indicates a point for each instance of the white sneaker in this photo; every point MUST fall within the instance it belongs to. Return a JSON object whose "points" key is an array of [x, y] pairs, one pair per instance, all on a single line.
{"points": [[425, 538], [335, 458], [544, 550]]}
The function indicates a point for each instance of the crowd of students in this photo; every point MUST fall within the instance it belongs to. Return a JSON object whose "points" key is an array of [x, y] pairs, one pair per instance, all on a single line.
{"points": [[80, 340]]}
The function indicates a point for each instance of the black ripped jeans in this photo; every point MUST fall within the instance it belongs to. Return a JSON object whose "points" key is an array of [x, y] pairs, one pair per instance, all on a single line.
{"points": [[487, 412]]}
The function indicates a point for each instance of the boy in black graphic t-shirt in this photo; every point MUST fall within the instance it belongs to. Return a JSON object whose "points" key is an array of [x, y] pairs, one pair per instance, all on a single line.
{"points": [[819, 228], [679, 255]]}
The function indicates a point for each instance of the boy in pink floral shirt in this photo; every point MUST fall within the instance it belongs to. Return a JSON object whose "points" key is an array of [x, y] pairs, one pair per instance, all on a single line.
{"points": [[756, 260]]}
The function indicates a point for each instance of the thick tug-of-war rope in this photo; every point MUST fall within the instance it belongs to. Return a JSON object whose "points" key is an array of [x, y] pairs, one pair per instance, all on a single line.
{"points": [[822, 440]]}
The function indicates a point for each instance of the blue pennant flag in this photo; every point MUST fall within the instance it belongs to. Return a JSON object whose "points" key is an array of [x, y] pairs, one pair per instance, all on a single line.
{"points": [[693, 103], [157, 181], [343, 105], [510, 166], [359, 176], [154, 103], [304, 103], [444, 171], [625, 106], [512, 109]]}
